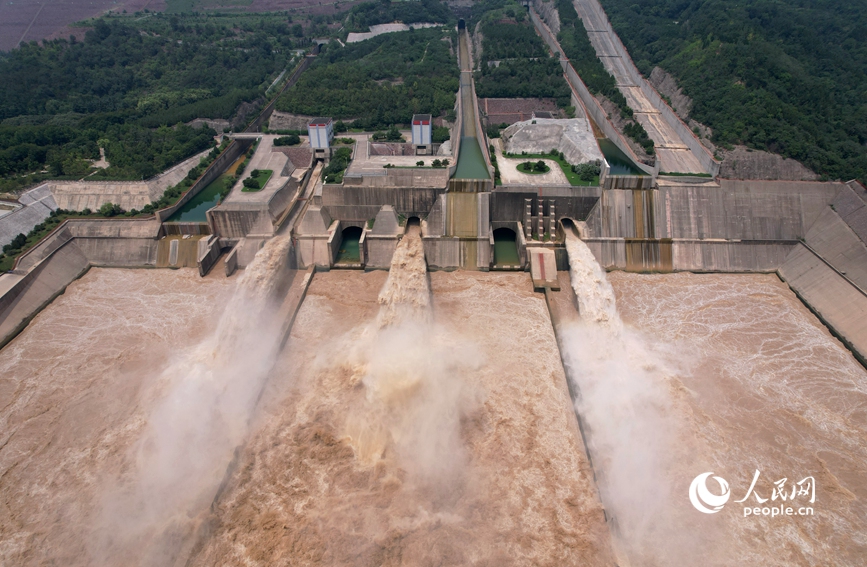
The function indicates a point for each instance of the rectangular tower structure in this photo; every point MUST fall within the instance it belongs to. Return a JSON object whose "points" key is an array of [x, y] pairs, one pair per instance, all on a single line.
{"points": [[321, 134], [422, 126]]}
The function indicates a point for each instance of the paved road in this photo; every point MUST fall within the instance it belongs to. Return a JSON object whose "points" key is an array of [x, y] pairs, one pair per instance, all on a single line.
{"points": [[673, 153]]}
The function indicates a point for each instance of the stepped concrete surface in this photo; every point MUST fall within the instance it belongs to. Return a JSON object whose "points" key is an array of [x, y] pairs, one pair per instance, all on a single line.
{"points": [[92, 194]]}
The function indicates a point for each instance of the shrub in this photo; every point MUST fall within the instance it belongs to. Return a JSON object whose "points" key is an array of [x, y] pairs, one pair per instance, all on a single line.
{"points": [[289, 140], [251, 183], [420, 163], [255, 173], [436, 163], [439, 134], [110, 210], [586, 171], [540, 166]]}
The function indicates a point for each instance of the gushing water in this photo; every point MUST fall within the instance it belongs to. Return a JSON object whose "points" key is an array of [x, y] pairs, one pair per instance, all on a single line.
{"points": [[620, 378], [595, 295], [414, 394], [207, 399], [406, 294]]}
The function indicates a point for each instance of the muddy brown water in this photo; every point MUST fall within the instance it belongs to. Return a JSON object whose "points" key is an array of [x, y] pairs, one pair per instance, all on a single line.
{"points": [[389, 442], [452, 442], [75, 390], [751, 381]]}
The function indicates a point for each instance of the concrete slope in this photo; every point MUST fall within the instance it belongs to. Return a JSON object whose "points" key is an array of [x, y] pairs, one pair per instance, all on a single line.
{"points": [[37, 205], [832, 239], [833, 297], [677, 150]]}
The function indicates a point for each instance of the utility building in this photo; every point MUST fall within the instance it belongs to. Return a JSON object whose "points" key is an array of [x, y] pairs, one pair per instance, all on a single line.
{"points": [[321, 133], [421, 134]]}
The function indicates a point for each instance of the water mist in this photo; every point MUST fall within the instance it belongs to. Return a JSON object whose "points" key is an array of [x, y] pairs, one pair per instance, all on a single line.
{"points": [[411, 372], [204, 403], [620, 378]]}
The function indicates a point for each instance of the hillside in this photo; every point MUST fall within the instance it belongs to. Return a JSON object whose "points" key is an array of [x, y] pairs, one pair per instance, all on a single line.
{"points": [[380, 81], [787, 78], [118, 83]]}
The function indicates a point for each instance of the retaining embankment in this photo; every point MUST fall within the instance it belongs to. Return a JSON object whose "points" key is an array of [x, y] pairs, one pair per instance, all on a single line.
{"points": [[43, 272], [601, 24], [591, 106]]}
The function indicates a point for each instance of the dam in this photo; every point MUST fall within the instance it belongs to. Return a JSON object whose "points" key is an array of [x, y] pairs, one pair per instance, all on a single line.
{"points": [[417, 366]]}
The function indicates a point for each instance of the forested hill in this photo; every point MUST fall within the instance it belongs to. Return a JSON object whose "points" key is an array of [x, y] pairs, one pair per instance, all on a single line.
{"points": [[789, 77], [367, 14], [117, 83], [380, 81]]}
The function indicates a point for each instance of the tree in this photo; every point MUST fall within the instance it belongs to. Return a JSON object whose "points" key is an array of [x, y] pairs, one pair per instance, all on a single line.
{"points": [[251, 183], [110, 210], [420, 163], [290, 140], [436, 163], [540, 166]]}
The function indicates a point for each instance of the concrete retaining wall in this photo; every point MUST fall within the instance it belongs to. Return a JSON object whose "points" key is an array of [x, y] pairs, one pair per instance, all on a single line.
{"points": [[704, 156], [44, 271], [591, 106], [406, 201], [829, 294], [734, 210], [209, 253], [36, 289]]}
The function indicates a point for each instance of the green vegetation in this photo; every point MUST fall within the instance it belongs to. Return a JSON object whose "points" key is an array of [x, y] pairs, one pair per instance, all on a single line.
{"points": [[506, 39], [525, 70], [493, 153], [290, 140], [361, 17], [333, 172], [392, 135], [22, 243], [257, 180], [587, 171], [575, 43], [788, 78], [61, 101], [440, 134], [380, 81], [534, 168], [576, 174]]}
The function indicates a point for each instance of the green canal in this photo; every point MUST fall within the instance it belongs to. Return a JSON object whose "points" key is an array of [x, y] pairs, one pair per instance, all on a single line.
{"points": [[619, 162], [194, 209]]}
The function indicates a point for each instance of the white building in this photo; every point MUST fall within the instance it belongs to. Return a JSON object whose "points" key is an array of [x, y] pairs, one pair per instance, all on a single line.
{"points": [[321, 133], [421, 133]]}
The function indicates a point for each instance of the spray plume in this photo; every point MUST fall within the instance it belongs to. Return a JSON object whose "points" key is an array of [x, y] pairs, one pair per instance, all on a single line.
{"points": [[206, 400], [620, 377]]}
